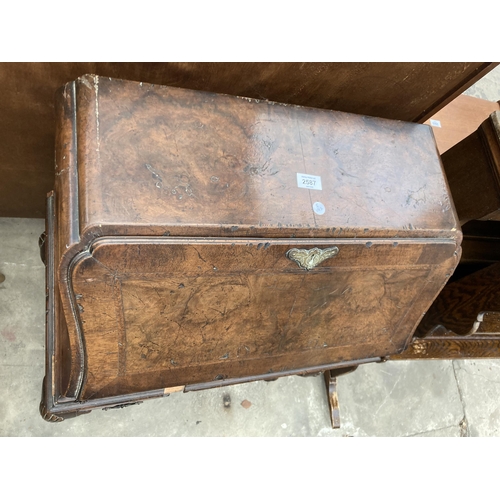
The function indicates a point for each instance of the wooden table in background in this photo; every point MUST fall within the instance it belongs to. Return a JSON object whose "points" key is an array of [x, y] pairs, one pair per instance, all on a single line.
{"points": [[459, 119]]}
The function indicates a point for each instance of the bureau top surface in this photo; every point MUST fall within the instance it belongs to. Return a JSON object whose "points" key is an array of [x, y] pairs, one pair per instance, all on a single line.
{"points": [[163, 160]]}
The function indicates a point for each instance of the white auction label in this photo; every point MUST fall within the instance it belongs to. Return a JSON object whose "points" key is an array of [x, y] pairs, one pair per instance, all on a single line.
{"points": [[319, 208], [309, 181], [436, 123]]}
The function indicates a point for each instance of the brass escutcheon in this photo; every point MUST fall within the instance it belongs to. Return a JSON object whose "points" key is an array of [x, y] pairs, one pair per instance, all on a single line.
{"points": [[309, 259]]}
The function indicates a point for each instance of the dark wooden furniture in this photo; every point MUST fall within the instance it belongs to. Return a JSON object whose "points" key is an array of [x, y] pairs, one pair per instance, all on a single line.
{"points": [[463, 322], [473, 171], [196, 240], [331, 391], [402, 91]]}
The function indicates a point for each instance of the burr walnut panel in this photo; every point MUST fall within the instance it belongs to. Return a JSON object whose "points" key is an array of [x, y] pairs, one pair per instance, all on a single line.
{"points": [[185, 311]]}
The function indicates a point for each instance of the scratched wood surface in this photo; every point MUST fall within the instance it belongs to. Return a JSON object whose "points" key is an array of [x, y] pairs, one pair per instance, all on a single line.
{"points": [[155, 158], [403, 91], [175, 211]]}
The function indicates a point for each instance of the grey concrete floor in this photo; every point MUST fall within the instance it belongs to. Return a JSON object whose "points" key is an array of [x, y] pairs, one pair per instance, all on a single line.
{"points": [[398, 398]]}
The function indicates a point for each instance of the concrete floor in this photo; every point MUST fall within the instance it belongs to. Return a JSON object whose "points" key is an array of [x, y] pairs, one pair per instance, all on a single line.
{"points": [[398, 398]]}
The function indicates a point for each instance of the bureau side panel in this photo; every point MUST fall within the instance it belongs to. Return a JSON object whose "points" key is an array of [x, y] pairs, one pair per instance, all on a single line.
{"points": [[67, 347]]}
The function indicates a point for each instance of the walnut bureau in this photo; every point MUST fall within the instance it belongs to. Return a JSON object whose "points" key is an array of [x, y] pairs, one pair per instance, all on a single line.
{"points": [[196, 240]]}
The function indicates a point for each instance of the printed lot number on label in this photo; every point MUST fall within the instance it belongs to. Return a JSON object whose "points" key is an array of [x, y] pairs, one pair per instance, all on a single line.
{"points": [[309, 181]]}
